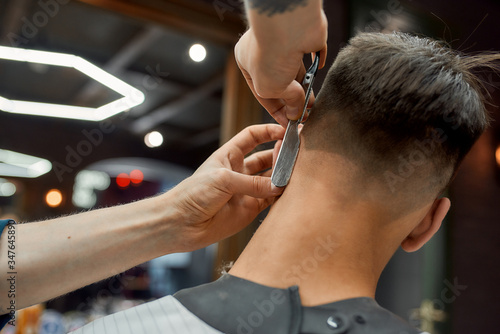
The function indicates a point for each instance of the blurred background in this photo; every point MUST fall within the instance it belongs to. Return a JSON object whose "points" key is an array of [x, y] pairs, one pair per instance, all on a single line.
{"points": [[179, 55]]}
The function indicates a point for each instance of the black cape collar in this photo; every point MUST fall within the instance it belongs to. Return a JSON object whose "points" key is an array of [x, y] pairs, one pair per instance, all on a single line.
{"points": [[236, 305]]}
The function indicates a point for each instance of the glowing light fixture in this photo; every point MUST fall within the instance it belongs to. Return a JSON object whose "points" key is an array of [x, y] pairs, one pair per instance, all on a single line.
{"points": [[22, 165], [197, 52], [131, 96], [7, 188], [53, 198], [153, 139], [497, 155]]}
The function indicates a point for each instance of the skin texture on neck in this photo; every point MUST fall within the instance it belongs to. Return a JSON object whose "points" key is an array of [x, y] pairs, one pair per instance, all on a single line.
{"points": [[323, 235]]}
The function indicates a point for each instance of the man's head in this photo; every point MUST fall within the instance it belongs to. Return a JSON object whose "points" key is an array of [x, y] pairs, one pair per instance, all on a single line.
{"points": [[404, 110]]}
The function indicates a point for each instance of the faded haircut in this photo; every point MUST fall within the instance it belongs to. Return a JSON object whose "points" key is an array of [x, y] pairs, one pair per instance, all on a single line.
{"points": [[405, 109]]}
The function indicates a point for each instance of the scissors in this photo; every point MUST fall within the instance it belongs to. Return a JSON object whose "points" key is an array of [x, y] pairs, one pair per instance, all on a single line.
{"points": [[290, 146]]}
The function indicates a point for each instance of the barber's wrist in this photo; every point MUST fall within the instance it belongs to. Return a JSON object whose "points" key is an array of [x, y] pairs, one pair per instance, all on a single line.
{"points": [[167, 222], [302, 31], [181, 223]]}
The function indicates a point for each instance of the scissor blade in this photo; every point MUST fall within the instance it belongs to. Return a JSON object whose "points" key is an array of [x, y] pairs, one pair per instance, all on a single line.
{"points": [[287, 155]]}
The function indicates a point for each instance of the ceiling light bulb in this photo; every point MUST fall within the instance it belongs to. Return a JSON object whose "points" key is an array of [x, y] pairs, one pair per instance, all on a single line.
{"points": [[153, 139], [197, 52]]}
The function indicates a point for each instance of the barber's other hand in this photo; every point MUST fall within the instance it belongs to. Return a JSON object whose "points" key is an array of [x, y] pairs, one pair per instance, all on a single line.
{"points": [[224, 195]]}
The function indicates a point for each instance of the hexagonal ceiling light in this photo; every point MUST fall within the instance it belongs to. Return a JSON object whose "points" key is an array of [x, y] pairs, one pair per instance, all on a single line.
{"points": [[15, 164], [131, 96]]}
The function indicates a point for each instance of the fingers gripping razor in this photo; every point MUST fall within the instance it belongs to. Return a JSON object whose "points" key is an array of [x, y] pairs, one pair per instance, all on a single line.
{"points": [[291, 142]]}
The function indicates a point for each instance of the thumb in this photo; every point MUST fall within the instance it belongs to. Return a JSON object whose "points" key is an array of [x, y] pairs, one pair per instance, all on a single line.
{"points": [[294, 98], [254, 186]]}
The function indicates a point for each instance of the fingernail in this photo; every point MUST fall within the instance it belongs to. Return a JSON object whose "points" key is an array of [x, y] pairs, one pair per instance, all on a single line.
{"points": [[276, 190], [292, 112]]}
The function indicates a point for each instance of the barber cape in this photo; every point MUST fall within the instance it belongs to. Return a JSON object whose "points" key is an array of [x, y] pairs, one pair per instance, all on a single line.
{"points": [[235, 305]]}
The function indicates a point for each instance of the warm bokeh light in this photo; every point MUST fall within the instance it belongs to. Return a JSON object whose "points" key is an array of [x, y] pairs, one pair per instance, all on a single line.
{"points": [[123, 180], [497, 155], [53, 198], [136, 176], [153, 139], [197, 52]]}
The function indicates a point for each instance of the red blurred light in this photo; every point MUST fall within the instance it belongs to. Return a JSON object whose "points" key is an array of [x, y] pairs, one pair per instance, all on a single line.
{"points": [[136, 176], [122, 180]]}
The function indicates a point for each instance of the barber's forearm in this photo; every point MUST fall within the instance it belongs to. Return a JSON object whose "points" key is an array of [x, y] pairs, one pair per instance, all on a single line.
{"points": [[222, 197], [288, 26], [57, 256]]}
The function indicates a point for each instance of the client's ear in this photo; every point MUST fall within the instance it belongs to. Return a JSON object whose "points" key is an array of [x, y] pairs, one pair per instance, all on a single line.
{"points": [[428, 226]]}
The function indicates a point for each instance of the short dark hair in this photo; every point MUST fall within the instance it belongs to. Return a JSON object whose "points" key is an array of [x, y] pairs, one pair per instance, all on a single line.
{"points": [[400, 105]]}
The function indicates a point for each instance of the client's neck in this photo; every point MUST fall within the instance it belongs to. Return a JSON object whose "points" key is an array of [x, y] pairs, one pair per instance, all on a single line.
{"points": [[328, 245]]}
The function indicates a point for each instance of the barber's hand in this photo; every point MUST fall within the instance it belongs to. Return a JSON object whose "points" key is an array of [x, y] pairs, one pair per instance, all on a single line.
{"points": [[226, 193], [275, 74]]}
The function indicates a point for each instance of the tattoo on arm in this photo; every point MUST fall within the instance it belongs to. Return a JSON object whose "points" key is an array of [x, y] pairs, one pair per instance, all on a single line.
{"points": [[271, 7]]}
